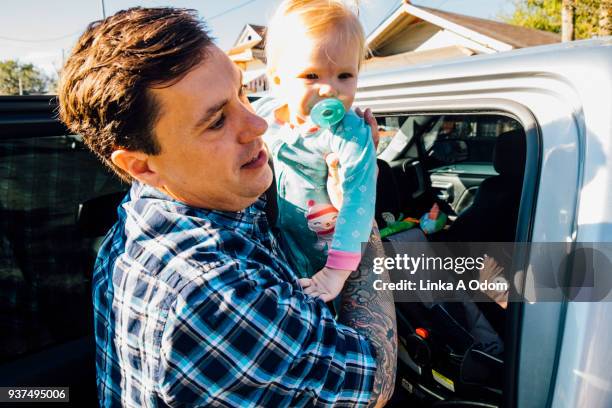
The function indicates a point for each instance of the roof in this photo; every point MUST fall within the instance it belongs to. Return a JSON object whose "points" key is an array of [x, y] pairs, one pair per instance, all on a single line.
{"points": [[415, 57], [518, 37], [493, 35], [259, 45], [261, 31], [248, 46]]}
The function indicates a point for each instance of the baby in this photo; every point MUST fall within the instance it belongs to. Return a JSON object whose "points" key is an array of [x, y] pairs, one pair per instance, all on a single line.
{"points": [[314, 50]]}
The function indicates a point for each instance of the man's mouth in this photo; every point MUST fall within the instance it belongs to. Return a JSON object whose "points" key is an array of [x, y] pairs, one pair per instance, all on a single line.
{"points": [[259, 159]]}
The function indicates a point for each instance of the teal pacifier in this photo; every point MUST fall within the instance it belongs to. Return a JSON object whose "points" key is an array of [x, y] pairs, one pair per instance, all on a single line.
{"points": [[327, 112]]}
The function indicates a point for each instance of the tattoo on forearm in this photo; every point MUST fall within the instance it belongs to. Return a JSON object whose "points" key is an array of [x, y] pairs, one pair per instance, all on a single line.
{"points": [[372, 313]]}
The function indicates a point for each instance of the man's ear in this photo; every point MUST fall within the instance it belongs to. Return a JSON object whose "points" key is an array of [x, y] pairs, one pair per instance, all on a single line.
{"points": [[136, 164]]}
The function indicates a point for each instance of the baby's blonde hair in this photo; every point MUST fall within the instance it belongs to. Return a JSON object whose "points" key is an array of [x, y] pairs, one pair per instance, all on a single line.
{"points": [[315, 19]]}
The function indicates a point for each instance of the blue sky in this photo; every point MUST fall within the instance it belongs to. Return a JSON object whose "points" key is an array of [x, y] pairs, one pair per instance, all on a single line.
{"points": [[40, 31]]}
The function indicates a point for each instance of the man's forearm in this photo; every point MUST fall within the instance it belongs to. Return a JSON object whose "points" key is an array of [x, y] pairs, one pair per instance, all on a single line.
{"points": [[372, 312]]}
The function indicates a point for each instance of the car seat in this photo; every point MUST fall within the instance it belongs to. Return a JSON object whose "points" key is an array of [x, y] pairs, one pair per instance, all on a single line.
{"points": [[493, 215]]}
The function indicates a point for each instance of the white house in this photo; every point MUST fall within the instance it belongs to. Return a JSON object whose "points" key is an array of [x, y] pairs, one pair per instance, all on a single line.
{"points": [[414, 34], [248, 53]]}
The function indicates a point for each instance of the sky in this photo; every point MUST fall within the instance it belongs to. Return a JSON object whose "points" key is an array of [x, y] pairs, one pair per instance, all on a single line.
{"points": [[43, 32]]}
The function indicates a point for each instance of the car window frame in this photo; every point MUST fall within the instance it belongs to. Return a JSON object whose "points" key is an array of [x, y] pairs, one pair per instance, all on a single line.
{"points": [[525, 221]]}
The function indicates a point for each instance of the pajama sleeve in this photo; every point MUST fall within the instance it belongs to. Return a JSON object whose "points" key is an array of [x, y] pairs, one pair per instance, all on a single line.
{"points": [[352, 142]]}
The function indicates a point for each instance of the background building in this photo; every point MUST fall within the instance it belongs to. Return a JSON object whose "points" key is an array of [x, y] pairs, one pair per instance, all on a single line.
{"points": [[248, 53]]}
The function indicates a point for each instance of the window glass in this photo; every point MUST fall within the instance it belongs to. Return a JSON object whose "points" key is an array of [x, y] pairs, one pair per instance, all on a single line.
{"points": [[387, 129], [45, 262], [448, 139]]}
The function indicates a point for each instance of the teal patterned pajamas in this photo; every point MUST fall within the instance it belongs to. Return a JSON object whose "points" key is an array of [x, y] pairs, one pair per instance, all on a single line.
{"points": [[313, 233]]}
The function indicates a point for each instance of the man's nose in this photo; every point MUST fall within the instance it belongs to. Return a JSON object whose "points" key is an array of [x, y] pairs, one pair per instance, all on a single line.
{"points": [[253, 126], [328, 90]]}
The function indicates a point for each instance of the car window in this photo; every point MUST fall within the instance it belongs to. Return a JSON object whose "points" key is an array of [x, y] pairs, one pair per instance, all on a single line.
{"points": [[45, 261], [448, 139], [450, 154], [387, 129], [465, 139]]}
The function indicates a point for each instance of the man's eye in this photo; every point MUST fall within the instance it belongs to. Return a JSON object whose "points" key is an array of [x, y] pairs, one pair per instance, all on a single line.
{"points": [[345, 75], [218, 124]]}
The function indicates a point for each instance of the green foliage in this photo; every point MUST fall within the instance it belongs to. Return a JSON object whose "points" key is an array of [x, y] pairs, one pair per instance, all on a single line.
{"points": [[540, 14], [32, 80], [546, 15]]}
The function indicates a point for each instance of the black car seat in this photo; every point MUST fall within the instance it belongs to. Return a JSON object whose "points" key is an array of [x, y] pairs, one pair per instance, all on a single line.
{"points": [[493, 215]]}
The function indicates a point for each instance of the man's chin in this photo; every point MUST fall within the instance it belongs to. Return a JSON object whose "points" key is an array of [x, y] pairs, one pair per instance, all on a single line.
{"points": [[266, 180], [256, 186]]}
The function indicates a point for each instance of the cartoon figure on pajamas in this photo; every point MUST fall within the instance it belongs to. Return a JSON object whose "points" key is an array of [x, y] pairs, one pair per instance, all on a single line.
{"points": [[322, 221]]}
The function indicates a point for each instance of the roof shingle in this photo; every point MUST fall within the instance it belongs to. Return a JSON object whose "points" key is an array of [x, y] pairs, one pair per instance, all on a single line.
{"points": [[518, 37]]}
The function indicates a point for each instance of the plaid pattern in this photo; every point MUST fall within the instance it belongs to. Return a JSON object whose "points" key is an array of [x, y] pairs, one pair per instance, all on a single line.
{"points": [[199, 308]]}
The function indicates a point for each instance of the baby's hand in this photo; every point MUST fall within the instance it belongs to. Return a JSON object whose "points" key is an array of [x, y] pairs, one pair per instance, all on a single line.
{"points": [[369, 118], [325, 284]]}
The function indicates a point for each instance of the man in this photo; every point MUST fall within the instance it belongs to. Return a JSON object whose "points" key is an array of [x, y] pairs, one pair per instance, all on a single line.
{"points": [[194, 302]]}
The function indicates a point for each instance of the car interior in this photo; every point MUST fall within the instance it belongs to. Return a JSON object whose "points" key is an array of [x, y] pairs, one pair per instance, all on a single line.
{"points": [[472, 166], [57, 202]]}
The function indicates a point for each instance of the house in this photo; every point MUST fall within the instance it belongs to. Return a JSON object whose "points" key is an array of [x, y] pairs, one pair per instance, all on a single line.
{"points": [[248, 53], [415, 34], [410, 35]]}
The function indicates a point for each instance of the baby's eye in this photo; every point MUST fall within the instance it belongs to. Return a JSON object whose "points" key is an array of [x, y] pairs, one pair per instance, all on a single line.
{"points": [[310, 76], [345, 75], [218, 124]]}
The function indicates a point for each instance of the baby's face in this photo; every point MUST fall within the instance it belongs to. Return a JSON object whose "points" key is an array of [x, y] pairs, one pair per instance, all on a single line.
{"points": [[315, 69]]}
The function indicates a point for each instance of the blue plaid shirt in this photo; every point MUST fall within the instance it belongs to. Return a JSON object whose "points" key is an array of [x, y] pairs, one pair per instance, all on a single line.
{"points": [[199, 308]]}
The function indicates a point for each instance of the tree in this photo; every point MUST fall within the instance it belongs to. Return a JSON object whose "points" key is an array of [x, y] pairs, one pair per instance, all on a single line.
{"points": [[546, 15], [605, 18], [567, 20], [25, 79]]}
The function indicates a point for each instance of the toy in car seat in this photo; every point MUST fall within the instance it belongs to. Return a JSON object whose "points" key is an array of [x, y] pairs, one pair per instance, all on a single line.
{"points": [[389, 218], [393, 227], [327, 112], [433, 221]]}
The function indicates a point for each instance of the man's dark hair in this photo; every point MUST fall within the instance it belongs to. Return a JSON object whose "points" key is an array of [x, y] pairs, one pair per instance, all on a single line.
{"points": [[104, 86]]}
